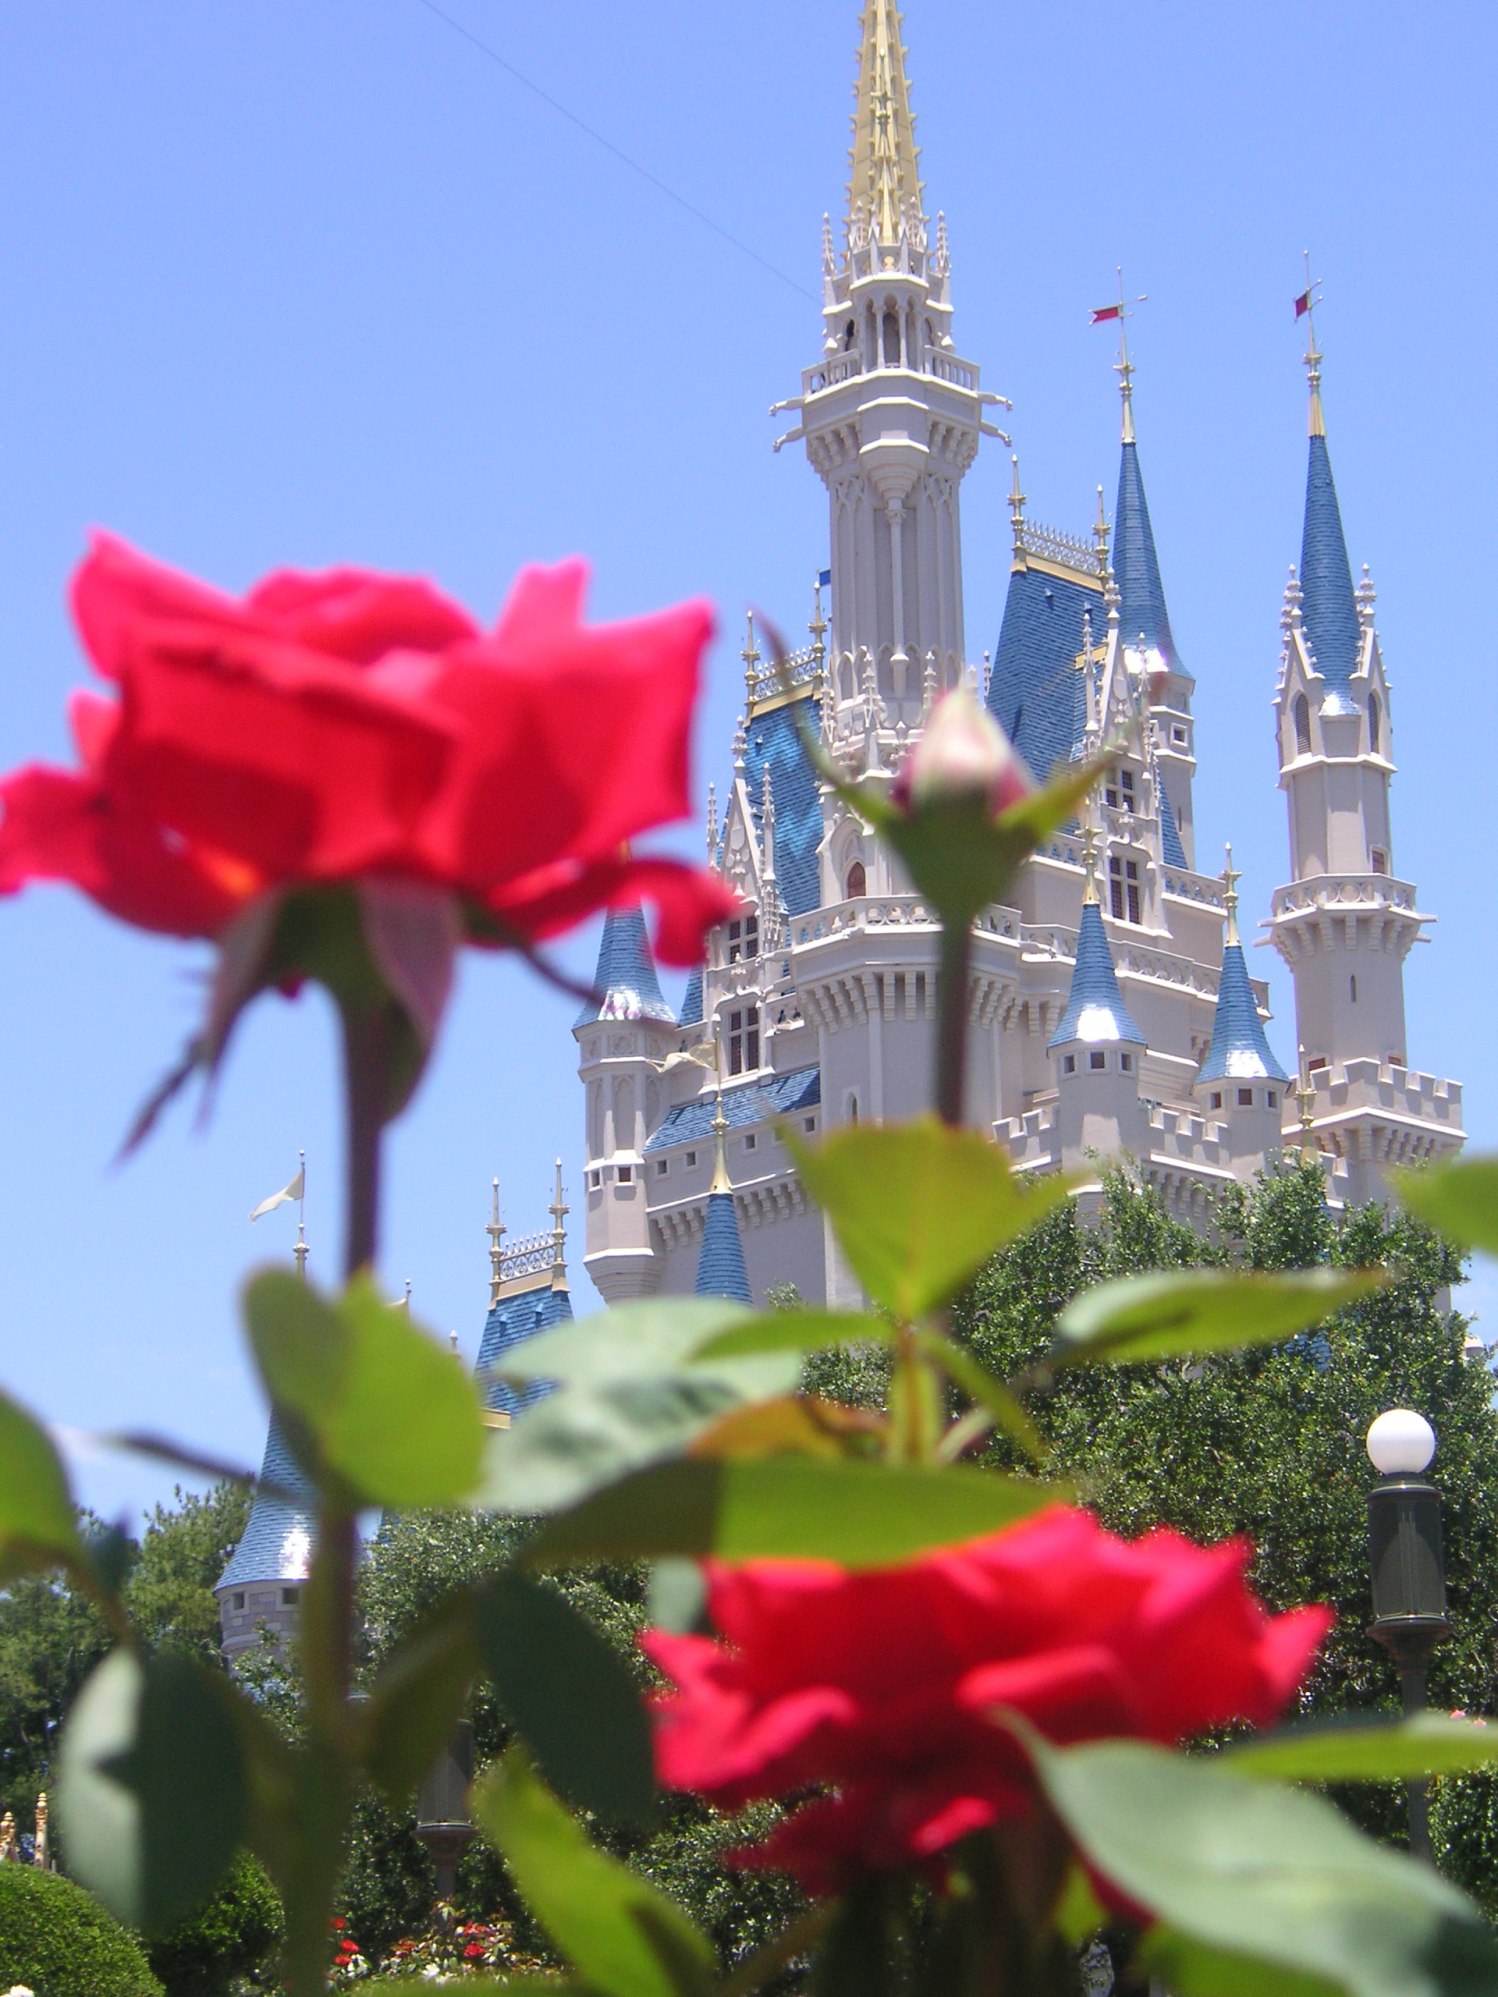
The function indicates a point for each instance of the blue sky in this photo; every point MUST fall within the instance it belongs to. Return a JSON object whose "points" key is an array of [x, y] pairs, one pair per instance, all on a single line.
{"points": [[316, 283]]}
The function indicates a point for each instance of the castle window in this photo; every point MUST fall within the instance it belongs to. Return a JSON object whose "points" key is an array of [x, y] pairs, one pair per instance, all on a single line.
{"points": [[852, 1108], [751, 1142], [1126, 1062], [1352, 990], [850, 334], [1217, 1098], [1096, 1061], [1245, 1098], [239, 1598], [626, 1175], [743, 938], [1119, 791], [1302, 725], [858, 881], [1375, 724], [808, 1123], [1178, 734], [690, 1160], [1378, 859], [891, 340], [1123, 890], [1274, 1100], [660, 1167], [288, 1598], [1068, 1064], [743, 1040]]}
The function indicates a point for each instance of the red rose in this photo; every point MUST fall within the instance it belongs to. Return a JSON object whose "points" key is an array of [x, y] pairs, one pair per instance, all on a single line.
{"points": [[880, 1686], [474, 1950], [345, 725]]}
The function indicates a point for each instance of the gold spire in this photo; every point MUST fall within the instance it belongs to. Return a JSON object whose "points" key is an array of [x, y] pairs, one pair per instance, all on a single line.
{"points": [[1313, 355], [496, 1233], [1090, 865], [1100, 533], [1305, 1097], [558, 1211], [1123, 367], [721, 1182], [1016, 501], [1231, 876], [884, 188]]}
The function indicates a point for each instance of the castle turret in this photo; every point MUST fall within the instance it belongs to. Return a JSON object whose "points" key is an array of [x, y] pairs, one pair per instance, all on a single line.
{"points": [[1346, 922], [1240, 1083], [624, 1034], [1096, 1047], [720, 1261], [528, 1293]]}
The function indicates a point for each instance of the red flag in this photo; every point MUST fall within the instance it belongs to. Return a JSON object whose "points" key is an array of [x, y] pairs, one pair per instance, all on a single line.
{"points": [[1302, 304], [1102, 312]]}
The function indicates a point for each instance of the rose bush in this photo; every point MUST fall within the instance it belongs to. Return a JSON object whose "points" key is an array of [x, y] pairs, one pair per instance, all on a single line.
{"points": [[882, 1686], [327, 728]]}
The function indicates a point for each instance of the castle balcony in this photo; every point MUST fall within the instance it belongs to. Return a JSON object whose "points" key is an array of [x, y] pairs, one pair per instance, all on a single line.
{"points": [[1326, 910], [1383, 1112]]}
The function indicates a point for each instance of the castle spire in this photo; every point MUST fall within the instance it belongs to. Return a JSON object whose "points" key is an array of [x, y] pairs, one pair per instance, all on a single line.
{"points": [[720, 1260], [1329, 605], [495, 1230], [1306, 303], [1231, 876], [1095, 1009], [1136, 565], [884, 188], [559, 1211], [625, 985]]}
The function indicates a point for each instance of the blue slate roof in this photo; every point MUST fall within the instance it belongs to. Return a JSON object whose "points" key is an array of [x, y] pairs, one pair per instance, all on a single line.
{"points": [[1136, 567], [1035, 692], [774, 744], [625, 977], [1239, 1050], [691, 1002], [1172, 850], [1095, 1011], [1327, 602], [720, 1261], [510, 1321], [277, 1542], [743, 1103]]}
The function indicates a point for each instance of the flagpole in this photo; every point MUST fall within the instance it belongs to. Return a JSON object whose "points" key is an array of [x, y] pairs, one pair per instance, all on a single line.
{"points": [[300, 1251]]}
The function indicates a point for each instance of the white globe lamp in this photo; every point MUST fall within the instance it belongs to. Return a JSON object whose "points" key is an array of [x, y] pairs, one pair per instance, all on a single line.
{"points": [[1401, 1443]]}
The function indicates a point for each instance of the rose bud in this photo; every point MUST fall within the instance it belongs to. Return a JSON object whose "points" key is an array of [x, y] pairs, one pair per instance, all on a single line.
{"points": [[963, 755]]}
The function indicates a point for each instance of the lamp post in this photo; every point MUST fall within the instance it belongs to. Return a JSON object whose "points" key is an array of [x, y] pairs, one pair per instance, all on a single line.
{"points": [[442, 1821], [1408, 1568]]}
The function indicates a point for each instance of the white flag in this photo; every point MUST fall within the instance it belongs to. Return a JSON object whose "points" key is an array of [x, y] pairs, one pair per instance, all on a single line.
{"points": [[287, 1193]]}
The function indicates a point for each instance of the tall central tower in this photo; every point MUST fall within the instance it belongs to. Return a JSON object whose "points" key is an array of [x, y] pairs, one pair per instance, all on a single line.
{"points": [[890, 415]]}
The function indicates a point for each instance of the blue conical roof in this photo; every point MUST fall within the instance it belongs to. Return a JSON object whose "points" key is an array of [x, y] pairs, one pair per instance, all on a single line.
{"points": [[1239, 1050], [277, 1542], [1136, 566], [512, 1319], [625, 980], [1095, 1010], [720, 1264], [1328, 606]]}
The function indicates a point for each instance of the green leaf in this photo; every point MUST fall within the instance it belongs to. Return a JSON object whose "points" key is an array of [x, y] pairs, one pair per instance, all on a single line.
{"points": [[796, 1331], [919, 1207], [788, 1507], [1008, 1411], [37, 1524], [380, 1412], [1185, 1312], [587, 1436], [1461, 1199], [151, 1788], [573, 1698], [1366, 1751], [660, 1336], [621, 1934], [1269, 1875], [1189, 1968], [418, 1698]]}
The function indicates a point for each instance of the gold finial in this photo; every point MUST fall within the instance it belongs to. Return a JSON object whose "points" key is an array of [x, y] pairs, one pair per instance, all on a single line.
{"points": [[1123, 367], [300, 1250], [558, 1211], [1231, 876], [884, 188], [816, 628], [1090, 865], [1100, 532], [721, 1182], [751, 657], [1305, 1097], [1016, 501], [452, 1339], [496, 1233], [1306, 304]]}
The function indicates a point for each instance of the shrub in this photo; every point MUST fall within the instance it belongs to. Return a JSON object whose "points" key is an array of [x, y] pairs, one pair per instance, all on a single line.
{"points": [[59, 1942], [231, 1937]]}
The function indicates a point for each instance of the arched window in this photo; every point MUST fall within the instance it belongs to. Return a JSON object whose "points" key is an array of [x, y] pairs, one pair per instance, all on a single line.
{"points": [[1375, 724], [891, 340], [858, 881], [849, 336], [1302, 725]]}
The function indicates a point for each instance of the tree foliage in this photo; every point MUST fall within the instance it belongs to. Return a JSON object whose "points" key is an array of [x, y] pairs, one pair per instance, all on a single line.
{"points": [[56, 1940]]}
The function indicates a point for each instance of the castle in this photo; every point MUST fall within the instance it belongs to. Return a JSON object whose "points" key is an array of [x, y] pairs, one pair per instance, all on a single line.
{"points": [[1111, 1011]]}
